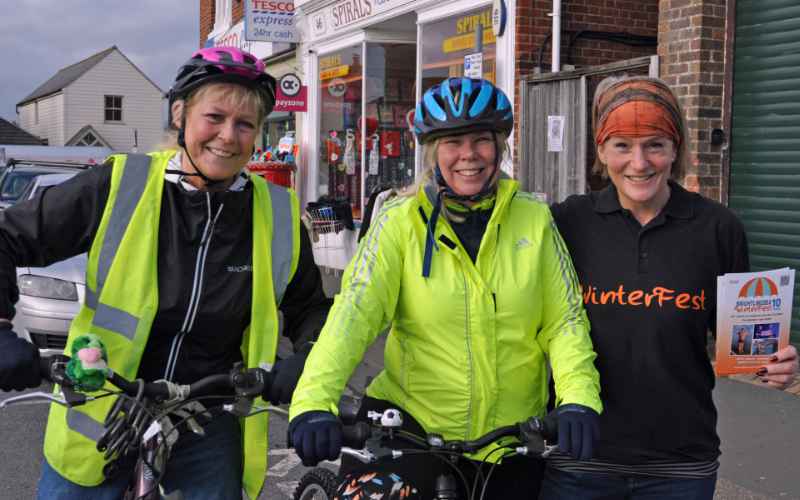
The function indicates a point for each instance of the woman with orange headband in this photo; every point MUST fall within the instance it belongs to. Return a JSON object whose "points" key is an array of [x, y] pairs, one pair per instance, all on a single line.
{"points": [[647, 253]]}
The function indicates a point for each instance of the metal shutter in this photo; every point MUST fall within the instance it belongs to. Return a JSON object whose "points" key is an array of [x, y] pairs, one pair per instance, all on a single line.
{"points": [[765, 137]]}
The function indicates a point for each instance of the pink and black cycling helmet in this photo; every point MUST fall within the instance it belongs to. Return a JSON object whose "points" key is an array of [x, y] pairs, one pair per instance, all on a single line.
{"points": [[223, 64]]}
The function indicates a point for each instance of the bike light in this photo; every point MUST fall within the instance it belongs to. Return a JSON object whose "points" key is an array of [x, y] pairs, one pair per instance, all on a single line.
{"points": [[48, 288]]}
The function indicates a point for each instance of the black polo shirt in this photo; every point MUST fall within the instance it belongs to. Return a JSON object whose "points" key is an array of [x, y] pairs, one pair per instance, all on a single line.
{"points": [[650, 294]]}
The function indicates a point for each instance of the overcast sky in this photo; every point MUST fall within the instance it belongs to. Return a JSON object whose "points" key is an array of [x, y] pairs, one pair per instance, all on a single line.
{"points": [[39, 37]]}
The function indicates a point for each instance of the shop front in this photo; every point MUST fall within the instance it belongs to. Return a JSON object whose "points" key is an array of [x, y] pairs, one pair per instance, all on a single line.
{"points": [[368, 61]]}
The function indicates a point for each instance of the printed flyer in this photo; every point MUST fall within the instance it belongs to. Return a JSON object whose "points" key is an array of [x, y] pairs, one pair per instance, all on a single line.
{"points": [[754, 312]]}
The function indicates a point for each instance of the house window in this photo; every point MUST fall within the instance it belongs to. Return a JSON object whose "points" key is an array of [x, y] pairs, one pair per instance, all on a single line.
{"points": [[89, 139], [113, 108], [223, 13]]}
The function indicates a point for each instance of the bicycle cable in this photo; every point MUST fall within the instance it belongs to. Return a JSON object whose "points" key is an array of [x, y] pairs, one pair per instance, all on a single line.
{"points": [[491, 468]]}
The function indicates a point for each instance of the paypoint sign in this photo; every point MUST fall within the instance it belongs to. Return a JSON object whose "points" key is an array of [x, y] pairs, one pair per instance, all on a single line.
{"points": [[270, 21]]}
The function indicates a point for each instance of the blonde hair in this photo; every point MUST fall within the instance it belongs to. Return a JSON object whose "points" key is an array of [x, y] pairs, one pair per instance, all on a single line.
{"points": [[681, 162], [238, 96]]}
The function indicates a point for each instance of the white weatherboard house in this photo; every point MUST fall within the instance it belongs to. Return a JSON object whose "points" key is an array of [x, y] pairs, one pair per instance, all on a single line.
{"points": [[104, 100]]}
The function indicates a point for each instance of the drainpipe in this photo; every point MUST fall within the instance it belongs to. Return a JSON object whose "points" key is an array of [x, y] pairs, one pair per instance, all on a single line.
{"points": [[556, 45]]}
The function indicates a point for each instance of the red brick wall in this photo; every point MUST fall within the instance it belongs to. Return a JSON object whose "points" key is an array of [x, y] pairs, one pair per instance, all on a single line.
{"points": [[691, 47], [638, 17], [238, 11], [206, 20]]}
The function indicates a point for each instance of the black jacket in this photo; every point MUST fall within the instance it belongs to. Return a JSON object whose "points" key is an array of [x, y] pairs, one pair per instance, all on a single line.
{"points": [[204, 269]]}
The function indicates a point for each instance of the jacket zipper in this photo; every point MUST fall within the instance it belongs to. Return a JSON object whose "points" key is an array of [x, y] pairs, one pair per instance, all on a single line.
{"points": [[469, 361], [197, 287]]}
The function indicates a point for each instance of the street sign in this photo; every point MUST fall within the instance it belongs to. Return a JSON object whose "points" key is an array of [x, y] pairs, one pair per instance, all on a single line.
{"points": [[473, 65], [290, 84]]}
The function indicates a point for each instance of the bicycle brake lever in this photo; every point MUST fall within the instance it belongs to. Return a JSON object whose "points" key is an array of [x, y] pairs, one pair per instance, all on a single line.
{"points": [[363, 456], [548, 449]]}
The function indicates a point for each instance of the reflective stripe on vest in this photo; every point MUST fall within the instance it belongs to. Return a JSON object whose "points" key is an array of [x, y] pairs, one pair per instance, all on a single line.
{"points": [[281, 239], [84, 425], [134, 178]]}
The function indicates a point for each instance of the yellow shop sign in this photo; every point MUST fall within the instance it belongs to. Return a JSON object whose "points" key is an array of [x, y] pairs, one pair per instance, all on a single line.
{"points": [[334, 72], [466, 42]]}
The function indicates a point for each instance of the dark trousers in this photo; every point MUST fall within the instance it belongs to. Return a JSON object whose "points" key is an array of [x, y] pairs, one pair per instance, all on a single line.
{"points": [[560, 484], [517, 477]]}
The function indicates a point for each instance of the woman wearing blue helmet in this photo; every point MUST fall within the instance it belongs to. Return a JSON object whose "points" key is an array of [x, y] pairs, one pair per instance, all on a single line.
{"points": [[479, 292]]}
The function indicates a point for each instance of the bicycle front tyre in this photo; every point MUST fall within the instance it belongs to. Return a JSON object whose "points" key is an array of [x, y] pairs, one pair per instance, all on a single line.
{"points": [[317, 484]]}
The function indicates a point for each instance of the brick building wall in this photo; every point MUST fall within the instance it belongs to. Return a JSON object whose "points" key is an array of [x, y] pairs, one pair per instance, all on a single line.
{"points": [[207, 16], [238, 11], [206, 20], [691, 46]]}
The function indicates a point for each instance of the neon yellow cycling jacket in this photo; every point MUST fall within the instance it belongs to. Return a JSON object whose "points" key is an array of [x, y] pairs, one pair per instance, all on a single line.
{"points": [[469, 346]]}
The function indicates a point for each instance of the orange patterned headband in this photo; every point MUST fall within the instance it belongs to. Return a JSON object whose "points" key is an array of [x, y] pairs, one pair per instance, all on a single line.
{"points": [[637, 108]]}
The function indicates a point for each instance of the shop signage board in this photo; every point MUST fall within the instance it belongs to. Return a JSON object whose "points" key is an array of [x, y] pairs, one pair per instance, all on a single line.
{"points": [[346, 13], [234, 37], [336, 71], [270, 21], [297, 102], [499, 16], [473, 65], [466, 41]]}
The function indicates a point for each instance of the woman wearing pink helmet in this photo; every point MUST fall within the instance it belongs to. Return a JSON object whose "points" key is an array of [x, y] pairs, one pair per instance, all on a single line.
{"points": [[198, 256]]}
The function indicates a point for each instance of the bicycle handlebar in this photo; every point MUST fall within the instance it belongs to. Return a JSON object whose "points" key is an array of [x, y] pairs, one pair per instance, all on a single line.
{"points": [[532, 433], [247, 383]]}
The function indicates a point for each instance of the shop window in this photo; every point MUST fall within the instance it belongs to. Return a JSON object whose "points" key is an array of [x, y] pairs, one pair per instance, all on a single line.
{"points": [[113, 108], [381, 136], [447, 41]]}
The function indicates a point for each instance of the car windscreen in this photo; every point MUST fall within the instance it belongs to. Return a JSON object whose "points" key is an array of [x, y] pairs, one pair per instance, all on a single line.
{"points": [[14, 184]]}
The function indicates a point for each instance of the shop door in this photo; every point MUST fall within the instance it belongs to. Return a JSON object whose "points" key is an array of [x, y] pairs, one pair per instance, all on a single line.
{"points": [[765, 137]]}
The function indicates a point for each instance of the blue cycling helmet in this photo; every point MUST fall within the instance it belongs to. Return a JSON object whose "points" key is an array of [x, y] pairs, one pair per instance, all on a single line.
{"points": [[460, 105]]}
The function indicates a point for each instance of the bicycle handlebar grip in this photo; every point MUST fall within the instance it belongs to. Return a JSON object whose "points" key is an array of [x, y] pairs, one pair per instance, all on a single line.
{"points": [[356, 435], [49, 372]]}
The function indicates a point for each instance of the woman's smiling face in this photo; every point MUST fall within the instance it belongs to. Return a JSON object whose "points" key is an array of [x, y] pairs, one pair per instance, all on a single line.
{"points": [[639, 167], [467, 161], [220, 133]]}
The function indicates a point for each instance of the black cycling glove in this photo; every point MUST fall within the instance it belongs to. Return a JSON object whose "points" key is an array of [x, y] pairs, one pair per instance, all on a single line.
{"points": [[19, 361], [316, 436], [578, 427], [284, 376]]}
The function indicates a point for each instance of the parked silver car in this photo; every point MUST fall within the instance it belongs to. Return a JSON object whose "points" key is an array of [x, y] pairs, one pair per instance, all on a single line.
{"points": [[49, 297], [18, 175]]}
